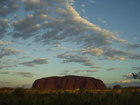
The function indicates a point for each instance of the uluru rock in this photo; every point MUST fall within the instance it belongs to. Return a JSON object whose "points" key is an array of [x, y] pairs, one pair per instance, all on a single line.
{"points": [[68, 82]]}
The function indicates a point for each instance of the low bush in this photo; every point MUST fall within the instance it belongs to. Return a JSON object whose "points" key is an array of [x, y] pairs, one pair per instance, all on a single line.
{"points": [[21, 96]]}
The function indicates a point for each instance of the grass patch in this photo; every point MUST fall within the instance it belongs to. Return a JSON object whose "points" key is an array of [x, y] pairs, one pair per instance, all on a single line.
{"points": [[22, 96]]}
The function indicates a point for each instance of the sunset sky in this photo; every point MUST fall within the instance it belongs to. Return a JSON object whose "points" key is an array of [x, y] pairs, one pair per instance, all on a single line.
{"points": [[94, 38]]}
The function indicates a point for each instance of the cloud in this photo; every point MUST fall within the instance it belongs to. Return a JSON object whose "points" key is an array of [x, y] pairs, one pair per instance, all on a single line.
{"points": [[4, 72], [1, 82], [67, 58], [68, 24], [115, 57], [12, 50], [83, 10], [1, 67], [9, 51], [133, 45], [24, 57], [129, 76], [37, 61], [110, 53], [134, 56], [33, 1], [103, 21], [93, 51], [25, 74], [83, 5], [78, 72], [125, 81], [92, 1], [135, 68], [57, 21], [118, 54], [2, 32], [88, 71], [113, 68], [58, 46], [8, 7], [97, 33], [5, 23], [25, 28], [66, 72], [2, 43], [8, 63]]}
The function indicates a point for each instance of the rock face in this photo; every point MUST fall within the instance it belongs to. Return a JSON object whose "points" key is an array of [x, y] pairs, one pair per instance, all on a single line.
{"points": [[68, 82]]}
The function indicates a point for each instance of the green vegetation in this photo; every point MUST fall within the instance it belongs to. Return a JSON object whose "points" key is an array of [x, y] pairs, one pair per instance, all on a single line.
{"points": [[22, 96]]}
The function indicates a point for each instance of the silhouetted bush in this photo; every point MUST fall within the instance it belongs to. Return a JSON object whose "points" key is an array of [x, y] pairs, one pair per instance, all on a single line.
{"points": [[117, 87], [19, 92], [20, 96]]}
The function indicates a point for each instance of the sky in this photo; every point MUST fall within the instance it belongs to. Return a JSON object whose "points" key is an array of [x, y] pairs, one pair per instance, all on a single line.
{"points": [[92, 38]]}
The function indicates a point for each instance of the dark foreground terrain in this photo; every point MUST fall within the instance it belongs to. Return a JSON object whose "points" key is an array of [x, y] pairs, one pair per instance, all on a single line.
{"points": [[21, 96]]}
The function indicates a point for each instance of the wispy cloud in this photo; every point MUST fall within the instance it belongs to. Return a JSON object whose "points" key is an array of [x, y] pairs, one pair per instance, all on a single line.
{"points": [[1, 67], [37, 61], [2, 43], [111, 53], [25, 74], [113, 68], [9, 51], [8, 63], [1, 82], [125, 81], [129, 76], [4, 72], [134, 45], [92, 1], [93, 51], [12, 50], [83, 5], [58, 46], [85, 60], [8, 6], [86, 71], [135, 68], [24, 57], [66, 72]]}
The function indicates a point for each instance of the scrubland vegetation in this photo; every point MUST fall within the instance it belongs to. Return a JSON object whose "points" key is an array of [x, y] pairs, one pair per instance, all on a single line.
{"points": [[22, 96]]}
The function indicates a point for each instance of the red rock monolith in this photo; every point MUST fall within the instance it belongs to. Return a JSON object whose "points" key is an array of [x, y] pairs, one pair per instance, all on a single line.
{"points": [[68, 82]]}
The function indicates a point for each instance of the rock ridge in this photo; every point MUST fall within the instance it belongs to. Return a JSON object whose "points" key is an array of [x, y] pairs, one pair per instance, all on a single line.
{"points": [[68, 82]]}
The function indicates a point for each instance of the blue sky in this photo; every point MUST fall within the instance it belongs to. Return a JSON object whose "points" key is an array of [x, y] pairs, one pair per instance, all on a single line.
{"points": [[95, 38]]}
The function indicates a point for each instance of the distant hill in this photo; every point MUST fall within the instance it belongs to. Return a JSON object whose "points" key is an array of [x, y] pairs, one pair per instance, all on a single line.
{"points": [[68, 82]]}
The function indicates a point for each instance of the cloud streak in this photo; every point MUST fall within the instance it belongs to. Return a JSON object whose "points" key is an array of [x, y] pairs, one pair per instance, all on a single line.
{"points": [[7, 51], [86, 71], [25, 74], [67, 58], [37, 61], [3, 43], [135, 68], [113, 68], [128, 76]]}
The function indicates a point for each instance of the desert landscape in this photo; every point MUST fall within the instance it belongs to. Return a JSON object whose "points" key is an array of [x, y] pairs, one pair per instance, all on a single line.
{"points": [[69, 52], [70, 90]]}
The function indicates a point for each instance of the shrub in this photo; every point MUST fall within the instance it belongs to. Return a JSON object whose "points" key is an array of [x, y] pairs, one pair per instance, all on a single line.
{"points": [[117, 87], [19, 92]]}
